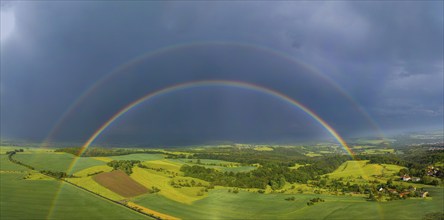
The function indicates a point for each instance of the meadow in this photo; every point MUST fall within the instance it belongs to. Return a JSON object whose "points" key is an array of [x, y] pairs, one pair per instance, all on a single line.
{"points": [[362, 169], [57, 161], [158, 186]]}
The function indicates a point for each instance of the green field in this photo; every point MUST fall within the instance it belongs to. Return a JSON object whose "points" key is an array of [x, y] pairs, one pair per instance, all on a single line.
{"points": [[247, 205], [6, 165], [56, 161], [34, 199]]}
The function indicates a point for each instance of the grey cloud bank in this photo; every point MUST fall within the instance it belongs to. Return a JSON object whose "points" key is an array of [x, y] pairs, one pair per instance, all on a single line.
{"points": [[388, 56]]}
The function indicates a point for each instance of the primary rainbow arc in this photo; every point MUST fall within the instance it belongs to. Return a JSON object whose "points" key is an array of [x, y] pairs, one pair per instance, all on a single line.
{"points": [[213, 83]]}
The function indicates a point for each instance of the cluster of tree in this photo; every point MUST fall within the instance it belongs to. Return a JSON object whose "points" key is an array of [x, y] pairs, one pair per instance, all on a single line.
{"points": [[177, 156], [392, 191], [55, 174], [153, 190], [314, 200], [201, 192], [185, 183], [254, 179], [317, 167], [199, 162], [235, 191], [14, 151], [292, 198], [123, 165], [274, 175], [95, 173], [422, 173], [338, 185], [434, 216], [250, 156]]}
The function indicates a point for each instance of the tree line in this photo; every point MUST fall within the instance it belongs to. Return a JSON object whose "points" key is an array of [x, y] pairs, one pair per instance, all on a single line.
{"points": [[123, 165], [104, 152]]}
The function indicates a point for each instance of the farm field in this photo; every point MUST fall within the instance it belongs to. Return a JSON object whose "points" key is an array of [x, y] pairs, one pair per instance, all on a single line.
{"points": [[37, 199], [151, 178], [117, 181], [362, 169], [220, 204], [6, 165], [57, 161]]}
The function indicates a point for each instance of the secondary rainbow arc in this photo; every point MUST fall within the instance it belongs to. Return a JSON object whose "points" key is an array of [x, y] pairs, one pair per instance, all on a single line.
{"points": [[209, 83], [186, 45]]}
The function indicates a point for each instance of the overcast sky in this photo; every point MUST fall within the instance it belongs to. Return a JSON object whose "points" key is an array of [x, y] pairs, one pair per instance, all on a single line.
{"points": [[360, 66]]}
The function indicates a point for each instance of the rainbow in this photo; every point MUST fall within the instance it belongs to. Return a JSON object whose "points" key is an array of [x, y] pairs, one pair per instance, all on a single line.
{"points": [[134, 62], [198, 84], [213, 83]]}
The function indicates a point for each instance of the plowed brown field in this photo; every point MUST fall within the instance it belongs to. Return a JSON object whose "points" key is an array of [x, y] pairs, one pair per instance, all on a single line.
{"points": [[120, 183]]}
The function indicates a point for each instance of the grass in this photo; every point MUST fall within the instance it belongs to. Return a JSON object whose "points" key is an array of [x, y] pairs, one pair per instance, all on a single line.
{"points": [[92, 170], [356, 169], [151, 178], [6, 165], [246, 205], [90, 184], [56, 161], [171, 165], [263, 148], [312, 154], [104, 159], [33, 199], [120, 183]]}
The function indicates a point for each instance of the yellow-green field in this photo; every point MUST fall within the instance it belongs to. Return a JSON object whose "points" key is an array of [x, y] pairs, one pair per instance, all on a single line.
{"points": [[164, 164], [357, 169], [263, 148], [90, 184], [151, 178], [92, 170], [313, 154]]}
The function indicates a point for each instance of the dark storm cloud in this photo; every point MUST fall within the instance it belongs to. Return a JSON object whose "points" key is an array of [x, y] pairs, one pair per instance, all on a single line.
{"points": [[387, 55]]}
